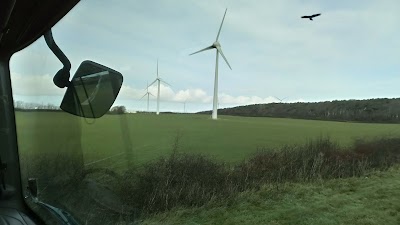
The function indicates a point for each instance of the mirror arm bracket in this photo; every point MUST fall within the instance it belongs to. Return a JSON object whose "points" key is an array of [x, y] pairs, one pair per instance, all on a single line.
{"points": [[61, 78]]}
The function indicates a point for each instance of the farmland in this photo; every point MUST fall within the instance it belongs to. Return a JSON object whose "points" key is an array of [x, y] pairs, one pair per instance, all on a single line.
{"points": [[146, 136], [117, 141]]}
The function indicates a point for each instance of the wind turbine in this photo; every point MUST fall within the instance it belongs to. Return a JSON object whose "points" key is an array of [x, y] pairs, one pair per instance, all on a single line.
{"points": [[184, 105], [218, 48], [281, 99], [158, 80], [148, 95]]}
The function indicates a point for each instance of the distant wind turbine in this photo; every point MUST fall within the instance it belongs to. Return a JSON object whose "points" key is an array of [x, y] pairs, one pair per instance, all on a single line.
{"points": [[148, 95], [281, 99], [158, 80], [218, 48]]}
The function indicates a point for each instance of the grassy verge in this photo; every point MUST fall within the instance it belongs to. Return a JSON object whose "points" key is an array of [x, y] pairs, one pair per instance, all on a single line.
{"points": [[183, 180], [314, 182], [371, 199]]}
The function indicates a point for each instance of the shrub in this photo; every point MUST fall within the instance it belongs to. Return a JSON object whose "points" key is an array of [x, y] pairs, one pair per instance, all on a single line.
{"points": [[179, 180], [187, 180], [381, 152], [319, 159]]}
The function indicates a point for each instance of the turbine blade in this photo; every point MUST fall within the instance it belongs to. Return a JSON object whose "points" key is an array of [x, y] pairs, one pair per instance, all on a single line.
{"points": [[152, 94], [220, 27], [143, 96], [204, 49], [280, 99], [152, 82], [219, 49], [165, 82]]}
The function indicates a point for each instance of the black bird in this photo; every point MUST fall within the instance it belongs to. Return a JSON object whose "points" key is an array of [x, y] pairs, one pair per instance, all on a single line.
{"points": [[312, 16]]}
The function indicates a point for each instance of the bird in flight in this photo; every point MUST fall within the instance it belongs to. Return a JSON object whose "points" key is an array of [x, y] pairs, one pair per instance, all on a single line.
{"points": [[311, 17]]}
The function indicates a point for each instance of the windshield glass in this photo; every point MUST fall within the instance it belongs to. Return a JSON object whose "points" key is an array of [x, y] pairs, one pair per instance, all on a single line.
{"points": [[286, 113]]}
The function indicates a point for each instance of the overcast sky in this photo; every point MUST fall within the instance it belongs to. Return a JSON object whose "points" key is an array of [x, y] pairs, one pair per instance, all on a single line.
{"points": [[351, 51]]}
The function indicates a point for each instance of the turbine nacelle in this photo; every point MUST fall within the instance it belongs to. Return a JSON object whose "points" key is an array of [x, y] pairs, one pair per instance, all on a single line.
{"points": [[216, 44]]}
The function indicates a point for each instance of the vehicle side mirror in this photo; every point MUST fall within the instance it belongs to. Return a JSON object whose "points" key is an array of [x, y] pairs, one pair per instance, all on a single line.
{"points": [[92, 90]]}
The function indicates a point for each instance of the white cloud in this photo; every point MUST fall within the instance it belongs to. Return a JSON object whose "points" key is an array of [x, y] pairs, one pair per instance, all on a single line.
{"points": [[244, 100], [296, 100], [38, 85], [43, 85], [129, 92], [194, 95]]}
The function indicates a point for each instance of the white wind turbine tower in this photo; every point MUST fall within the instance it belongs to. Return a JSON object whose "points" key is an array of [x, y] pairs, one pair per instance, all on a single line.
{"points": [[158, 80], [184, 105], [148, 95], [218, 48]]}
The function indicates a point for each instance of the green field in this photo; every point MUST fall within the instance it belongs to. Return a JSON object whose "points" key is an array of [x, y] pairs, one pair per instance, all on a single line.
{"points": [[150, 136], [117, 141], [372, 200]]}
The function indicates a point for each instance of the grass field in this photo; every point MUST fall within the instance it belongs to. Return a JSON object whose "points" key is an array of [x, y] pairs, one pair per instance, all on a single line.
{"points": [[117, 141], [150, 136], [371, 200]]}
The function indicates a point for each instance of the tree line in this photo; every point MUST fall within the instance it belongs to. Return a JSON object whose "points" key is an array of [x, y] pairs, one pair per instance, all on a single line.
{"points": [[30, 106], [380, 110]]}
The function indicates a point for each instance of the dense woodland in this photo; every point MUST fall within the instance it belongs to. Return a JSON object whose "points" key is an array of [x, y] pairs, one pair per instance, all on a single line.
{"points": [[382, 110]]}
